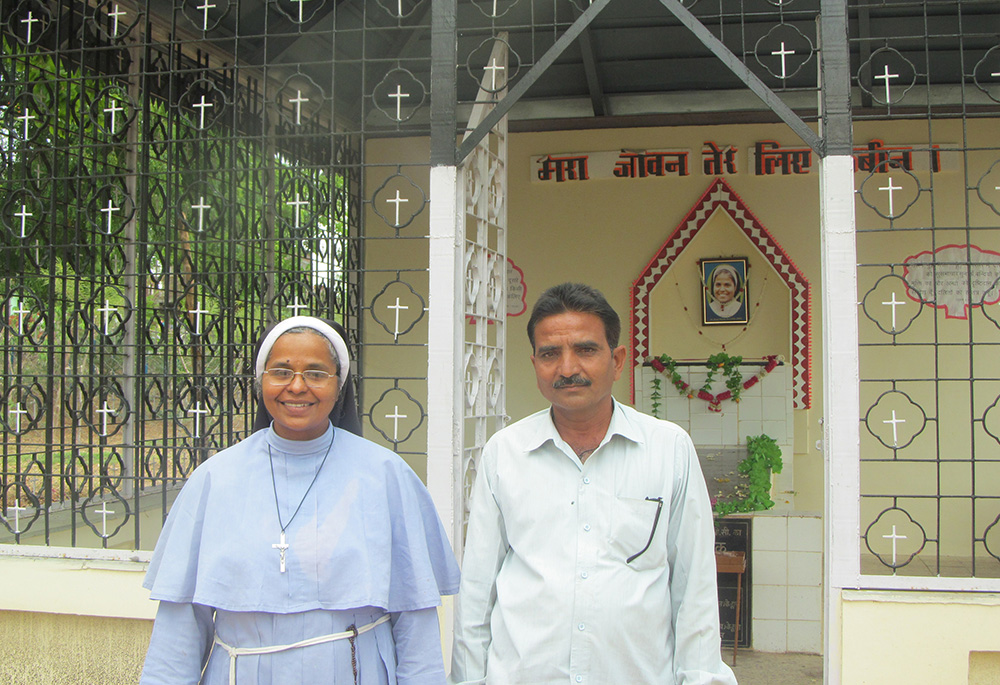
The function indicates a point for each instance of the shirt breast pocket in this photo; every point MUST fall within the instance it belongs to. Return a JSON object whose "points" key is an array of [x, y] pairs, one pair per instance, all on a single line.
{"points": [[636, 532]]}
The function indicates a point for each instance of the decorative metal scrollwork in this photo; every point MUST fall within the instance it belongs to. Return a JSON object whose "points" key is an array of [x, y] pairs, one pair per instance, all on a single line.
{"points": [[784, 50], [29, 22], [484, 69], [399, 95], [988, 188], [398, 201], [898, 534], [896, 73], [899, 194], [893, 316], [95, 515], [986, 73], [397, 408], [398, 301], [895, 420], [205, 16], [16, 518], [202, 104], [110, 208], [112, 111]]}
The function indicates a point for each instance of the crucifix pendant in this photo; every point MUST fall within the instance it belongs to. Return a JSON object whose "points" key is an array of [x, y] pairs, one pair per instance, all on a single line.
{"points": [[281, 546]]}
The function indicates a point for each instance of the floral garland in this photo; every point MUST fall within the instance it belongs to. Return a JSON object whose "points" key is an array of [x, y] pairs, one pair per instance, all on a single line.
{"points": [[730, 369]]}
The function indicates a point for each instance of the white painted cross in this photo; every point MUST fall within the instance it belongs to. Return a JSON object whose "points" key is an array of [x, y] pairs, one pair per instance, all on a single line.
{"points": [[398, 97], [468, 384], [29, 22], [781, 53], [104, 411], [201, 106], [397, 201], [197, 411], [17, 412], [397, 307], [205, 7], [298, 204], [395, 416], [201, 208], [104, 511], [23, 216], [197, 311], [108, 212], [113, 109], [17, 516], [493, 69], [885, 76], [891, 188], [894, 421], [26, 117], [20, 316], [893, 303], [298, 99], [105, 311], [282, 547], [296, 307], [894, 537], [114, 15]]}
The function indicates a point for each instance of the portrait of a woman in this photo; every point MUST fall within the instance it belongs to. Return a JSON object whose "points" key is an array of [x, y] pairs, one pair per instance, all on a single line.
{"points": [[725, 298]]}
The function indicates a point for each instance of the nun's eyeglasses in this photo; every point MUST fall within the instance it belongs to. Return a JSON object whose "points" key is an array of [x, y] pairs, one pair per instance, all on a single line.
{"points": [[314, 378]]}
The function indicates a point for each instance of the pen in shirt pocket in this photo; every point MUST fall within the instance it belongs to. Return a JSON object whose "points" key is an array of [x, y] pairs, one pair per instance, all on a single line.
{"points": [[652, 531]]}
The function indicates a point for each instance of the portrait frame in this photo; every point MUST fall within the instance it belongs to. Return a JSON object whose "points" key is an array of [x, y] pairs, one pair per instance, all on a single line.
{"points": [[720, 311]]}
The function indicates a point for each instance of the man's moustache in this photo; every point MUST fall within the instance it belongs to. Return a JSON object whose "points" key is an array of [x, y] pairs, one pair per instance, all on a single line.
{"points": [[572, 381]]}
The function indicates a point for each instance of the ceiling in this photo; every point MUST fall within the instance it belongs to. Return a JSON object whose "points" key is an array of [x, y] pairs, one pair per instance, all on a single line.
{"points": [[634, 60]]}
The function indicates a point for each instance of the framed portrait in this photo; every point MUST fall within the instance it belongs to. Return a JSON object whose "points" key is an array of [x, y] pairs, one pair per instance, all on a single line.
{"points": [[725, 298]]}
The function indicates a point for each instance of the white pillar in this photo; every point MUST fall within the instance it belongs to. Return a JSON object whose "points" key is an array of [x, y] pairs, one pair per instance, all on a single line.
{"points": [[841, 407], [445, 338]]}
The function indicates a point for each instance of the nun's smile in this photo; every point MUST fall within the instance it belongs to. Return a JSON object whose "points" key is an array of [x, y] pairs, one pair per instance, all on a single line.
{"points": [[300, 409]]}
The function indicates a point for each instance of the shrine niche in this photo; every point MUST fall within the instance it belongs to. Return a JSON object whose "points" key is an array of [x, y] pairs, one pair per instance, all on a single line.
{"points": [[768, 264]]}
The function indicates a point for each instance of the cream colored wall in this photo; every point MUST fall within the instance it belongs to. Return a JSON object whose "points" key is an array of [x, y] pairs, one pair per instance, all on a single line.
{"points": [[388, 250], [605, 231], [901, 638], [65, 620]]}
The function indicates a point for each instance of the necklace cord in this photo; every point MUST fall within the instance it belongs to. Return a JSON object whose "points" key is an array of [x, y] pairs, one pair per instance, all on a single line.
{"points": [[274, 483]]}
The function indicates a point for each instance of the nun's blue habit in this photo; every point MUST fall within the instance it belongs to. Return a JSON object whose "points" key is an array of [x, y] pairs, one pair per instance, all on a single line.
{"points": [[365, 552]]}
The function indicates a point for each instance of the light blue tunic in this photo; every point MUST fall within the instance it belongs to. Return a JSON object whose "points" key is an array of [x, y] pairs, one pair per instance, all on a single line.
{"points": [[366, 541]]}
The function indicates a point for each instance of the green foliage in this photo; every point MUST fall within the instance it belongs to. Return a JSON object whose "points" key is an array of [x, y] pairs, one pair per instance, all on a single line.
{"points": [[656, 396], [763, 459], [730, 367]]}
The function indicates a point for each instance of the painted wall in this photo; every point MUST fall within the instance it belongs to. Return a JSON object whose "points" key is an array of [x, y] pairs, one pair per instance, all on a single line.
{"points": [[899, 638], [605, 231], [65, 620]]}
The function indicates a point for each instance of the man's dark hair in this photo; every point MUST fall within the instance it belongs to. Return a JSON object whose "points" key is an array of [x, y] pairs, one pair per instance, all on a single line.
{"points": [[575, 297]]}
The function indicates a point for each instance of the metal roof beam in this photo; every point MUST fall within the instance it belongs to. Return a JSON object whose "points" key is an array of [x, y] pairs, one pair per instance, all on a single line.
{"points": [[501, 108], [744, 74], [590, 70]]}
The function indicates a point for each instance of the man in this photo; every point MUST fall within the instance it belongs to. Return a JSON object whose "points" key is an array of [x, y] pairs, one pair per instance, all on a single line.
{"points": [[590, 549]]}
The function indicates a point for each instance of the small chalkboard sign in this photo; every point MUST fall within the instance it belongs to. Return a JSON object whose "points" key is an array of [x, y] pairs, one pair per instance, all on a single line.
{"points": [[732, 534]]}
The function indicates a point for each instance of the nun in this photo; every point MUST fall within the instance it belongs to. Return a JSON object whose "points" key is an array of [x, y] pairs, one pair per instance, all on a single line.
{"points": [[304, 553]]}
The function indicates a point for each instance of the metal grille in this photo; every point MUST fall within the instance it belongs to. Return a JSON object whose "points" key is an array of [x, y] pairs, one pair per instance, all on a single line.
{"points": [[928, 280], [485, 201], [159, 207]]}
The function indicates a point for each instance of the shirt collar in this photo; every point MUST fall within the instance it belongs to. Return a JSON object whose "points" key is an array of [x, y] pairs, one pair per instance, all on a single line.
{"points": [[620, 425]]}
